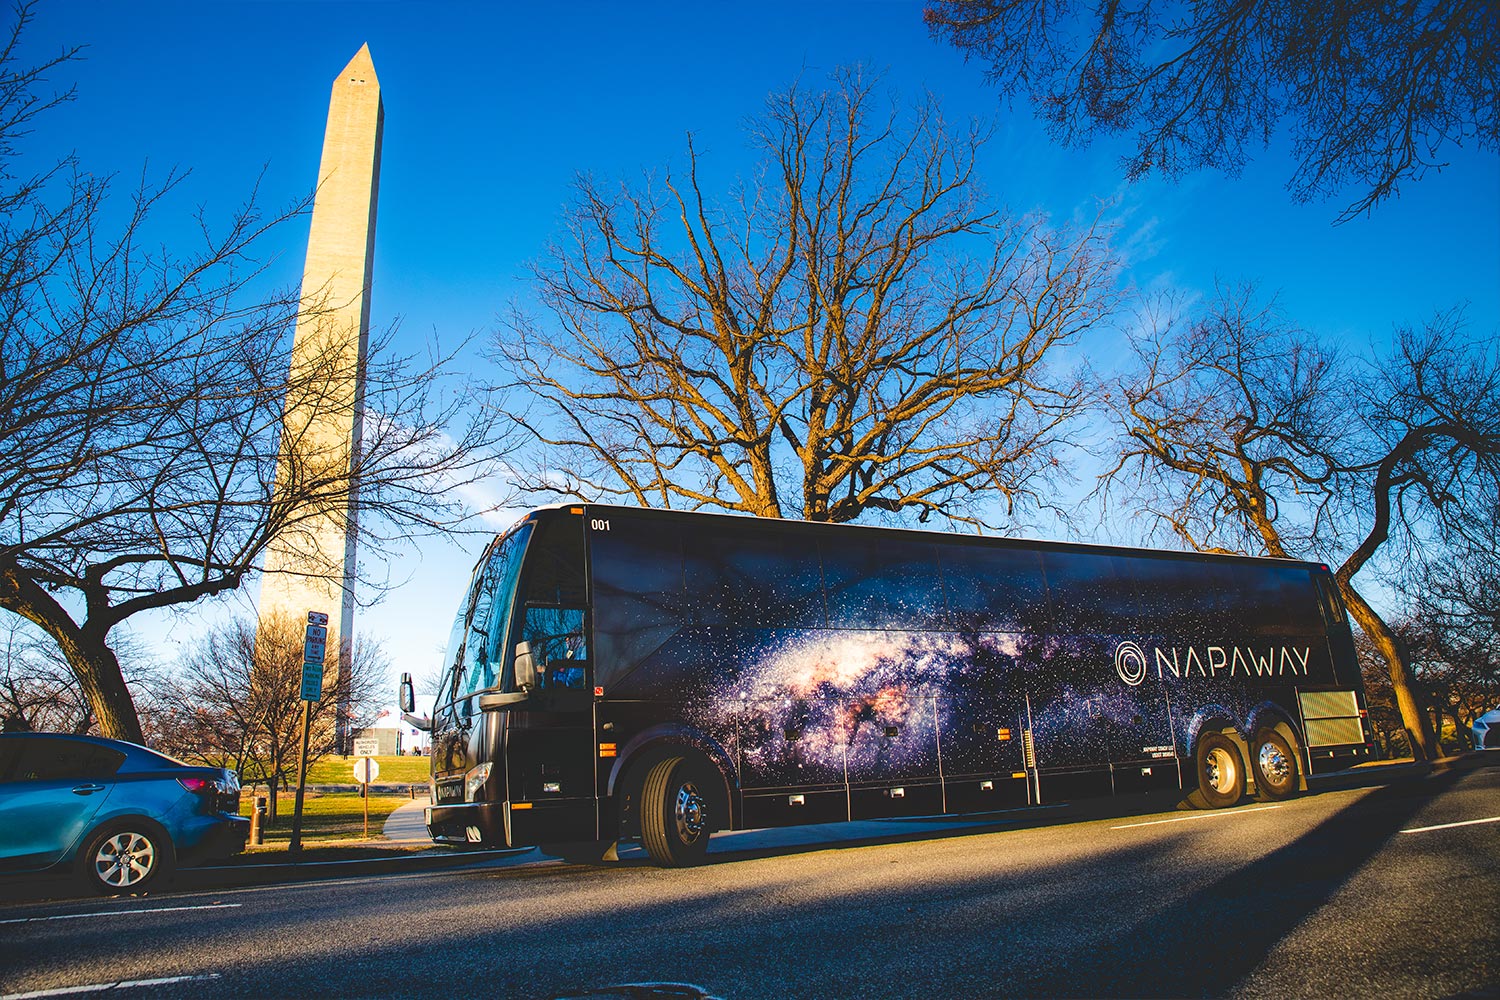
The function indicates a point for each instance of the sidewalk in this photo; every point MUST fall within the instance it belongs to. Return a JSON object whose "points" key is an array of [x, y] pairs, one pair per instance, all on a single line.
{"points": [[408, 824]]}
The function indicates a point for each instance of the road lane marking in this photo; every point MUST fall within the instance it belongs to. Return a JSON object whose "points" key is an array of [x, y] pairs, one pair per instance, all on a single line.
{"points": [[1449, 826], [1184, 819], [101, 987], [119, 913]]}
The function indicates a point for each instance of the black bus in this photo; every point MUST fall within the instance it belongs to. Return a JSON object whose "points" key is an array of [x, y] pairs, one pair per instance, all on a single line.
{"points": [[618, 672]]}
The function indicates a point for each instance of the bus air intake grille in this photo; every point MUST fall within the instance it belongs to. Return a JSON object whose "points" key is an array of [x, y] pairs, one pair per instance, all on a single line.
{"points": [[1332, 717]]}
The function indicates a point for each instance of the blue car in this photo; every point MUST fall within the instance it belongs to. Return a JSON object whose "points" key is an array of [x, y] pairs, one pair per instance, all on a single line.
{"points": [[119, 816]]}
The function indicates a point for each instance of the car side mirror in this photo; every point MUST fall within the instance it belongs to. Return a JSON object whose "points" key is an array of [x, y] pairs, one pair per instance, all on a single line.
{"points": [[405, 696], [525, 667]]}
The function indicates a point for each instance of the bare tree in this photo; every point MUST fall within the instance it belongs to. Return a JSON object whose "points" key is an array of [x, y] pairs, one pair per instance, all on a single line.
{"points": [[1373, 93], [1240, 432], [38, 692], [141, 402], [238, 703], [853, 330], [1454, 622]]}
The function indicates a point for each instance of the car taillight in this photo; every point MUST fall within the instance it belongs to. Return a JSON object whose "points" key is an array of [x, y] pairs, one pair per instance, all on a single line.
{"points": [[196, 784]]}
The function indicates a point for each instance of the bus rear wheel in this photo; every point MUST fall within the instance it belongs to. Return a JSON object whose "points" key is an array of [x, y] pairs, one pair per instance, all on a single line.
{"points": [[675, 813], [1221, 772], [1274, 765]]}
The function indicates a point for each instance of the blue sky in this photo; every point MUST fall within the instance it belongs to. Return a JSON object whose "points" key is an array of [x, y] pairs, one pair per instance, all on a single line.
{"points": [[491, 109]]}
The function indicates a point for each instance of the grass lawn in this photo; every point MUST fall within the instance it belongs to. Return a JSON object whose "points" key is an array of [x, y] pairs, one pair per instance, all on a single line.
{"points": [[330, 816], [393, 771]]}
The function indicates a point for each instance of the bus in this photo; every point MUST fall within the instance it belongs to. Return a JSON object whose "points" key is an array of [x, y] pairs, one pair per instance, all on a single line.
{"points": [[628, 673]]}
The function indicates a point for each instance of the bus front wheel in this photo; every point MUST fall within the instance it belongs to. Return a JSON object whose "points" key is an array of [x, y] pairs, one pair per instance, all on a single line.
{"points": [[1275, 766], [675, 813], [1221, 772]]}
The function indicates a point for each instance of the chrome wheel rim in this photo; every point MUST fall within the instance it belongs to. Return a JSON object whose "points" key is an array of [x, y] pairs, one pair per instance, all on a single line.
{"points": [[689, 812], [1274, 766], [1219, 770], [124, 860]]}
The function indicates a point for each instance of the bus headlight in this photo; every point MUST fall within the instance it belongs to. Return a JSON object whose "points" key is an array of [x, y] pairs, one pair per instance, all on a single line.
{"points": [[474, 781]]}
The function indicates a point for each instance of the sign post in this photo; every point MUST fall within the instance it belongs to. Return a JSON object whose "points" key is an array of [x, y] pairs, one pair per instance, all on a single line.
{"points": [[366, 770], [314, 648]]}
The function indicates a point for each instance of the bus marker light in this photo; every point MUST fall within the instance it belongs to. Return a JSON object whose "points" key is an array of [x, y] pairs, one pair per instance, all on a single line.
{"points": [[986, 786], [514, 806], [1018, 774], [575, 510], [598, 692], [609, 750], [1003, 735]]}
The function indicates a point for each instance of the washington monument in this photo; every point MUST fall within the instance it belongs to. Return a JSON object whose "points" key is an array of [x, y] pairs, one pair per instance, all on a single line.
{"points": [[310, 566]]}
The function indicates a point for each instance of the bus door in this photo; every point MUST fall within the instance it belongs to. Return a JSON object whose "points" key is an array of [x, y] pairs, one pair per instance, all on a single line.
{"points": [[550, 745]]}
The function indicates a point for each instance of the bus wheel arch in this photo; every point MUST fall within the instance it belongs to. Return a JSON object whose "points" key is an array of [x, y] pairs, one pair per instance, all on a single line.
{"points": [[649, 747], [1218, 768]]}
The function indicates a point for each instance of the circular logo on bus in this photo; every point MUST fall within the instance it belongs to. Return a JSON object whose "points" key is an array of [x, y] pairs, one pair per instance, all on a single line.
{"points": [[1130, 663]]}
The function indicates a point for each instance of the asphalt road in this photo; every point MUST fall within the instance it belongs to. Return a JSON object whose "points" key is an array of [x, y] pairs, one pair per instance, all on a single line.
{"points": [[1385, 891]]}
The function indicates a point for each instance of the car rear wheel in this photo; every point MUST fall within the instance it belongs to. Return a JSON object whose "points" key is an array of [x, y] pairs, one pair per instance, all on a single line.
{"points": [[128, 857]]}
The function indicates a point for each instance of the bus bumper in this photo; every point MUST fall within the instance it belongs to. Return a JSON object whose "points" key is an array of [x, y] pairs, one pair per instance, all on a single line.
{"points": [[473, 824], [506, 824]]}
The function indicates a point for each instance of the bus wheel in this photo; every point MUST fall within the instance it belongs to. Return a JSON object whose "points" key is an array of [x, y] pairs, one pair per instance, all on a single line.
{"points": [[1221, 772], [1274, 765], [674, 813]]}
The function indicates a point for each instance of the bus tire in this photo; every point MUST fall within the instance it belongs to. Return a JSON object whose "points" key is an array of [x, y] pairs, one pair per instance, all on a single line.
{"points": [[1220, 770], [1274, 765], [675, 821]]}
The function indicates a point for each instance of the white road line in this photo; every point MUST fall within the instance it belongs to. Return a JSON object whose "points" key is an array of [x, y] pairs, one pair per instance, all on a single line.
{"points": [[101, 987], [119, 913], [1181, 819], [1449, 826]]}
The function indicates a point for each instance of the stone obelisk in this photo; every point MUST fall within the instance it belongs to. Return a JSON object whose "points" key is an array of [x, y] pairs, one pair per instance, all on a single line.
{"points": [[310, 564]]}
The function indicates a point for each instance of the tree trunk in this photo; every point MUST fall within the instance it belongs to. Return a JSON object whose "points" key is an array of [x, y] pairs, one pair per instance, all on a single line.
{"points": [[88, 654], [1425, 744], [98, 672]]}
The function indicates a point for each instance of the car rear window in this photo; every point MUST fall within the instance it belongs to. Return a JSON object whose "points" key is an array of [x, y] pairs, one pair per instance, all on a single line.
{"points": [[56, 760]]}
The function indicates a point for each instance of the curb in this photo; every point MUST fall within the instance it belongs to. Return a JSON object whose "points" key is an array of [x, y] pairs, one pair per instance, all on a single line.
{"points": [[230, 876]]}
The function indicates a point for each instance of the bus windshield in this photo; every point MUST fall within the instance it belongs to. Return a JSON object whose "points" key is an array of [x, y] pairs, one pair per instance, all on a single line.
{"points": [[487, 649]]}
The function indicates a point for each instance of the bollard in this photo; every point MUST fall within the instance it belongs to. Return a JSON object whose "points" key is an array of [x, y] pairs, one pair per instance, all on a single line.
{"points": [[258, 821]]}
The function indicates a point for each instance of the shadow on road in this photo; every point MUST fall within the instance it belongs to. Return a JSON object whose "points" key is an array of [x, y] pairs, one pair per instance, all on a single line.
{"points": [[1206, 942]]}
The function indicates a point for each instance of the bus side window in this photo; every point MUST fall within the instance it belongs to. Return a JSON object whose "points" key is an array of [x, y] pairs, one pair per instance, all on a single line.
{"points": [[1090, 594], [745, 575], [558, 645], [882, 583], [1177, 597], [993, 589], [637, 591]]}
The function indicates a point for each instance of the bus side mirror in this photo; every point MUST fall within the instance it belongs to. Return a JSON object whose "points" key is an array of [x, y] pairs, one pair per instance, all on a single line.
{"points": [[405, 696], [525, 667]]}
